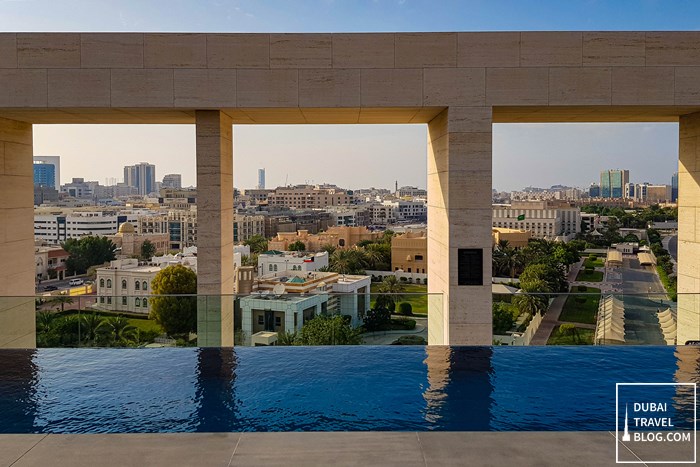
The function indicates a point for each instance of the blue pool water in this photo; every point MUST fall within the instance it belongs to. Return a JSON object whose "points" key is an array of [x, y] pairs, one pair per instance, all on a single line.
{"points": [[332, 388]]}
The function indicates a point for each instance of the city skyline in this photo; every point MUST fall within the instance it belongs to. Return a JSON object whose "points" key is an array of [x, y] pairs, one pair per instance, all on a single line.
{"points": [[297, 154]]}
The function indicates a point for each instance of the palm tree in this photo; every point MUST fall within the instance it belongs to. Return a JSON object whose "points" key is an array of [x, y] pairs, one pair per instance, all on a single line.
{"points": [[91, 323], [391, 291], [508, 258], [328, 248], [62, 300], [376, 255], [533, 297], [44, 321], [119, 330], [347, 261]]}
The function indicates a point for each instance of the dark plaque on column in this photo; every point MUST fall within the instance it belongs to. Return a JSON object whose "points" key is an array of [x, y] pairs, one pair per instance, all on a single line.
{"points": [[470, 266]]}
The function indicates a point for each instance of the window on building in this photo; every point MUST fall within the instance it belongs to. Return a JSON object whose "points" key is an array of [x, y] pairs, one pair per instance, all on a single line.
{"points": [[278, 321], [109, 300], [275, 268], [270, 268], [102, 299], [124, 301], [137, 285], [137, 303], [123, 284], [145, 303], [144, 285], [261, 320], [102, 282], [109, 283], [419, 258]]}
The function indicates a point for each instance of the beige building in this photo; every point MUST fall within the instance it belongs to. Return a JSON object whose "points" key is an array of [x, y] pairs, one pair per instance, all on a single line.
{"points": [[515, 238], [308, 197], [337, 237], [409, 252], [545, 219], [129, 242], [245, 226], [458, 83]]}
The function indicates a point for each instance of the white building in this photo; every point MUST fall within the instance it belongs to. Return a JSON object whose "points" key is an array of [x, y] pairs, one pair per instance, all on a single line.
{"points": [[172, 181], [125, 285], [545, 219], [57, 227], [306, 295], [282, 261], [384, 214], [411, 192], [408, 210]]}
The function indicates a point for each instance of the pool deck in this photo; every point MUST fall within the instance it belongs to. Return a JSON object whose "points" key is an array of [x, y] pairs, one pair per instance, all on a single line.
{"points": [[404, 449]]}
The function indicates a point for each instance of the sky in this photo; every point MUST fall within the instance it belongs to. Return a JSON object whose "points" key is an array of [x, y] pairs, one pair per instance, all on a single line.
{"points": [[573, 154]]}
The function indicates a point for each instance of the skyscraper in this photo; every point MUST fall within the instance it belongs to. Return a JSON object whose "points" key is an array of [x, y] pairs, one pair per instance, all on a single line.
{"points": [[142, 176], [674, 187], [54, 161], [612, 183], [261, 179], [594, 190], [44, 174]]}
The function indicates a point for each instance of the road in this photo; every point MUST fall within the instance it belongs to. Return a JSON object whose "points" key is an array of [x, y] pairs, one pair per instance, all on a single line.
{"points": [[59, 284], [643, 295]]}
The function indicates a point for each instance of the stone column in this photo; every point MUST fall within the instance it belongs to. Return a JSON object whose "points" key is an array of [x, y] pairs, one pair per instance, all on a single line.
{"points": [[459, 217], [215, 275], [689, 229], [17, 315]]}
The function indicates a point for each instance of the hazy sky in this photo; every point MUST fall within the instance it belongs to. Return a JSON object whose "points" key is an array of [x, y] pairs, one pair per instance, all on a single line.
{"points": [[355, 156]]}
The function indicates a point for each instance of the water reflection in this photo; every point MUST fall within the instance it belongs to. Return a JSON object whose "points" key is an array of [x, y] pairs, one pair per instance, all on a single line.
{"points": [[459, 393], [18, 378], [214, 390], [688, 371]]}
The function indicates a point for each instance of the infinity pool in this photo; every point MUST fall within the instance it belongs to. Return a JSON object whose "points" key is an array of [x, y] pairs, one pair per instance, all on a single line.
{"points": [[331, 388]]}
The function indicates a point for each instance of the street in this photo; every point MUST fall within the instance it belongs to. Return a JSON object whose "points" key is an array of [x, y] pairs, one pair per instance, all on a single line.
{"points": [[643, 295]]}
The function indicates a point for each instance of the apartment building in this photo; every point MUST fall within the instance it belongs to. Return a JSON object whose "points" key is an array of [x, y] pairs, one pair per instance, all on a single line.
{"points": [[281, 261], [338, 237], [245, 226], [309, 196]]}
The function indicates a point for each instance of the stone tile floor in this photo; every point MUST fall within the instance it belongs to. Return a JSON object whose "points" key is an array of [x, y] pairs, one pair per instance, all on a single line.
{"points": [[404, 449]]}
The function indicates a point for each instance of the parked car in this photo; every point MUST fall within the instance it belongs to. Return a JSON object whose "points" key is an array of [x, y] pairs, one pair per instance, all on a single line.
{"points": [[50, 288], [76, 282]]}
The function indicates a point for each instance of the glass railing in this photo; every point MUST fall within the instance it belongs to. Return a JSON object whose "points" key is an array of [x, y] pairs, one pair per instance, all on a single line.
{"points": [[586, 316], [261, 318], [594, 316]]}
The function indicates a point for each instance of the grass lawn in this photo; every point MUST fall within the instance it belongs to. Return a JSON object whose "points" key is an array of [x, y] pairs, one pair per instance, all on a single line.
{"points": [[419, 302], [575, 311], [595, 276], [143, 324], [598, 263], [585, 337]]}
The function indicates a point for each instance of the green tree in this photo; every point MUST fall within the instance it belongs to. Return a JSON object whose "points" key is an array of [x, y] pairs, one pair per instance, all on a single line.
{"points": [[350, 261], [287, 338], [507, 259], [503, 318], [377, 256], [391, 291], [62, 300], [249, 260], [297, 246], [533, 299], [119, 331], [328, 330], [570, 330], [86, 252], [148, 250], [328, 248], [174, 304], [257, 244], [91, 324], [551, 272]]}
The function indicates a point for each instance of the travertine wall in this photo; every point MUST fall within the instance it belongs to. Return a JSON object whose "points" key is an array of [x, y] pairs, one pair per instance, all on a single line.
{"points": [[689, 229], [16, 235], [459, 83], [214, 133]]}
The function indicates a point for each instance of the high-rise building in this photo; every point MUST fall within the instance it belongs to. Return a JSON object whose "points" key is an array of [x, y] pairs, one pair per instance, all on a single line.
{"points": [[261, 179], [142, 176], [172, 181], [44, 174], [612, 183], [594, 190], [54, 161], [674, 187]]}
